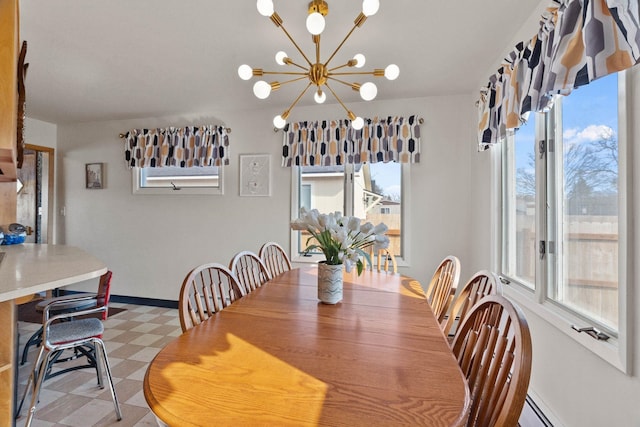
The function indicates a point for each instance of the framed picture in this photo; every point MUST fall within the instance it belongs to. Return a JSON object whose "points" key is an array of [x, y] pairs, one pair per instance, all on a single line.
{"points": [[93, 175], [255, 175]]}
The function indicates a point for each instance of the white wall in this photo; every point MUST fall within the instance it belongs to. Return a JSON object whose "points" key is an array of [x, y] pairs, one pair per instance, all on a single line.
{"points": [[151, 242], [37, 132]]}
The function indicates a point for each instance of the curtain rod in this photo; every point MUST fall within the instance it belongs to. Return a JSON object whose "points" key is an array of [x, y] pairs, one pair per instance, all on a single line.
{"points": [[122, 135]]}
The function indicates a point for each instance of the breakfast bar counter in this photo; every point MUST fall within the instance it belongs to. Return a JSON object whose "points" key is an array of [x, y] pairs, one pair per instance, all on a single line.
{"points": [[26, 269]]}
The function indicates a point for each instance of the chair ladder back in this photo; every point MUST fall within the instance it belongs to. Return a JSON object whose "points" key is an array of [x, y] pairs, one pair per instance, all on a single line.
{"points": [[202, 295], [444, 281], [275, 258], [200, 301], [480, 377], [498, 397], [481, 284], [250, 270], [493, 349], [206, 290]]}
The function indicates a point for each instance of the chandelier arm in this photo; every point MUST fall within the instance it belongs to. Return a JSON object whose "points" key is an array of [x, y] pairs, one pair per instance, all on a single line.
{"points": [[335, 95], [354, 73], [338, 67], [340, 45], [299, 66], [293, 104], [293, 80], [340, 81], [285, 73], [295, 44]]}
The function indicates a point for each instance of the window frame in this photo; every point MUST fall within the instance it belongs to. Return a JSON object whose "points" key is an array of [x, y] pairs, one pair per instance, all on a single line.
{"points": [[137, 189], [616, 350], [402, 261]]}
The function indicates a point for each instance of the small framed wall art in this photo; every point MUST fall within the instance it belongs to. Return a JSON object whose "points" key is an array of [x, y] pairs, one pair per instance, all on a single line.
{"points": [[94, 175], [255, 175]]}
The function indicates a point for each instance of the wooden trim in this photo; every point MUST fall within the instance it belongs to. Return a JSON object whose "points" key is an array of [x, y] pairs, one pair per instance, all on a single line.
{"points": [[9, 36], [8, 88], [7, 361]]}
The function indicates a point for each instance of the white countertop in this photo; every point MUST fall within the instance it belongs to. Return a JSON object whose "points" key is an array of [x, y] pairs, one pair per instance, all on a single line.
{"points": [[29, 268]]}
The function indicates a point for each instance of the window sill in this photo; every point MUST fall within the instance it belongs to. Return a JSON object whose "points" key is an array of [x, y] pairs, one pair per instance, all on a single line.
{"points": [[188, 191], [612, 351]]}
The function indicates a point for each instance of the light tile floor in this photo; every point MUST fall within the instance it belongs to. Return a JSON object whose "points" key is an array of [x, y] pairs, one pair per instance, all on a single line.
{"points": [[132, 337]]}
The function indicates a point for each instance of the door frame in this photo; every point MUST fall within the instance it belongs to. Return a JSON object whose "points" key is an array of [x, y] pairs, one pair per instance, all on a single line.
{"points": [[50, 186]]}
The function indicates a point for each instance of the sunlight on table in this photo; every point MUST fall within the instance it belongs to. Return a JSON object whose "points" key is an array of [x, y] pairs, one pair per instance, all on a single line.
{"points": [[248, 374]]}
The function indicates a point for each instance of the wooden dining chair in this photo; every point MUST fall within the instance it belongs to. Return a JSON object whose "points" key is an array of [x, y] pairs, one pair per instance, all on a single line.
{"points": [[275, 258], [381, 260], [250, 270], [480, 285], [493, 349], [386, 261], [206, 290], [80, 333], [442, 286]]}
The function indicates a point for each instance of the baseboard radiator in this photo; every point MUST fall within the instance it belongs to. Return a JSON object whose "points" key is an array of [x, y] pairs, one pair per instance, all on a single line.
{"points": [[532, 415]]}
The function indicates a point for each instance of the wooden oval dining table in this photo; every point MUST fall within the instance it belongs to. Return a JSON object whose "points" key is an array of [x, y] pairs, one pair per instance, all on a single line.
{"points": [[279, 357]]}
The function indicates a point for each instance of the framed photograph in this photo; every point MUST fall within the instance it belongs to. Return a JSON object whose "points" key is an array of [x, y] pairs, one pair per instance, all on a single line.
{"points": [[255, 175], [93, 175]]}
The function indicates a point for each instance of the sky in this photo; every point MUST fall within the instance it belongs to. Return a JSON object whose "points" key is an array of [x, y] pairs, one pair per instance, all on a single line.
{"points": [[387, 176], [588, 113]]}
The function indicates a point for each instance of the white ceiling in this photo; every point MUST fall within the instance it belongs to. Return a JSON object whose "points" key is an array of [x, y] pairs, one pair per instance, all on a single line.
{"points": [[120, 59]]}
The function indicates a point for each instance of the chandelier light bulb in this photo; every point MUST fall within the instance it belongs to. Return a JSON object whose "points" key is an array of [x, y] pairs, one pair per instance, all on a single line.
{"points": [[392, 72], [280, 57], [245, 72], [315, 23], [360, 60], [279, 122], [319, 96], [370, 7], [261, 89], [265, 7], [368, 91], [358, 123]]}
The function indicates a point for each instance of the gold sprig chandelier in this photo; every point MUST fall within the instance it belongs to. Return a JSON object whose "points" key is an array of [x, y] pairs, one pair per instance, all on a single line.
{"points": [[317, 73]]}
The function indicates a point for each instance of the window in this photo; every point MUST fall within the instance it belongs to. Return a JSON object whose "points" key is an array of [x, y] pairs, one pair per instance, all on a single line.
{"points": [[372, 192], [174, 180], [519, 190], [562, 187]]}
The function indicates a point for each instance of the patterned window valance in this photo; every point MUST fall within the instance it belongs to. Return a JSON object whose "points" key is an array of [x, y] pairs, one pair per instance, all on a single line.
{"points": [[335, 142], [179, 147], [578, 42]]}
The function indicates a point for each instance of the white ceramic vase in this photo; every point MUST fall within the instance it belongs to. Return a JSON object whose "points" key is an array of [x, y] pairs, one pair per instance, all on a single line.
{"points": [[329, 283]]}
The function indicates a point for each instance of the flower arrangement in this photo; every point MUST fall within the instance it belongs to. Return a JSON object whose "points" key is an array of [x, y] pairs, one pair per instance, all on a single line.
{"points": [[342, 239]]}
